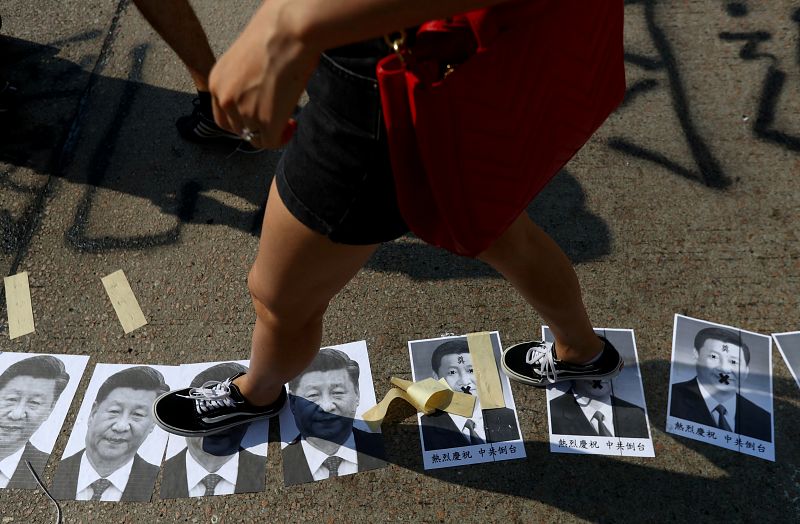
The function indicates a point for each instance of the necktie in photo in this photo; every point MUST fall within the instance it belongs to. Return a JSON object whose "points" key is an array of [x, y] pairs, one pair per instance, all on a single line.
{"points": [[210, 481], [601, 428], [723, 423], [474, 438], [98, 487], [332, 463]]}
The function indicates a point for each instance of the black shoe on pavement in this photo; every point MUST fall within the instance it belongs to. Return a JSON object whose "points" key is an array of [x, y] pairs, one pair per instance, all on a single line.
{"points": [[8, 98], [199, 127], [535, 363], [212, 408]]}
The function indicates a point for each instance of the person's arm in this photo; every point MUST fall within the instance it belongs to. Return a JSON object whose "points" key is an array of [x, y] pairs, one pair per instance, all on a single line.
{"points": [[176, 22], [326, 24], [258, 81]]}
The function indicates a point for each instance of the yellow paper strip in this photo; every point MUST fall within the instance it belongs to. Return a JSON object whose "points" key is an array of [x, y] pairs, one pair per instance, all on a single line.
{"points": [[425, 396], [122, 298], [375, 415], [18, 305], [461, 404], [485, 367]]}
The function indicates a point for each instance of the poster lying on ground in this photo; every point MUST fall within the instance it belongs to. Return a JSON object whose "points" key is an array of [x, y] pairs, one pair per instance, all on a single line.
{"points": [[322, 432], [449, 440], [114, 450], [35, 394], [721, 387], [602, 417], [233, 461]]}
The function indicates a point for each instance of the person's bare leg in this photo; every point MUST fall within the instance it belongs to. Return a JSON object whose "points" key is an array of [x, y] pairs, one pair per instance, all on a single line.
{"points": [[542, 273], [296, 274], [176, 22]]}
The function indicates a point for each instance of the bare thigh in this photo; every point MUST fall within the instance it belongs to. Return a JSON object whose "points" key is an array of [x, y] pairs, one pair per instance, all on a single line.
{"points": [[297, 268]]}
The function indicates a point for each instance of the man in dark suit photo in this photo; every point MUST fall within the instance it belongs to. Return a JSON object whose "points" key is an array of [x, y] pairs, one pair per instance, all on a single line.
{"points": [[712, 398], [109, 467], [589, 408], [323, 400], [29, 390], [215, 464], [440, 430]]}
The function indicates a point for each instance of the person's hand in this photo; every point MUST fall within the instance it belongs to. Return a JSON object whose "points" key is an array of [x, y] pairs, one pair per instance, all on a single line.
{"points": [[256, 84]]}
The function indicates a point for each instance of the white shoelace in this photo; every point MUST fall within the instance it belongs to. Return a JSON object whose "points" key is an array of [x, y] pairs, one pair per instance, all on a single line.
{"points": [[542, 355], [212, 395]]}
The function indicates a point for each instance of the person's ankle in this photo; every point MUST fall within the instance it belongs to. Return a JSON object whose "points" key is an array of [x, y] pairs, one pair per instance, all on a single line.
{"points": [[572, 354], [255, 394]]}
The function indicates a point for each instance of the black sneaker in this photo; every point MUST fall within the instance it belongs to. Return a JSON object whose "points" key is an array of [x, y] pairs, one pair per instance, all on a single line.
{"points": [[8, 98], [212, 408], [535, 363], [199, 127]]}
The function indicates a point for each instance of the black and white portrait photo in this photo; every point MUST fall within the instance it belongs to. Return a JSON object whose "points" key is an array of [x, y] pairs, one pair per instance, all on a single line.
{"points": [[322, 432], [35, 394], [721, 384], [115, 448], [449, 358], [789, 347], [602, 417], [233, 461]]}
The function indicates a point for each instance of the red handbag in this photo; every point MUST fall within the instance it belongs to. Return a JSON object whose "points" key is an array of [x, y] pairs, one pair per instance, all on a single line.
{"points": [[486, 107]]}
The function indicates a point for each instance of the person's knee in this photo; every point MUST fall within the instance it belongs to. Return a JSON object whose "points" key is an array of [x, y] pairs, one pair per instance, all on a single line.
{"points": [[517, 240], [275, 304]]}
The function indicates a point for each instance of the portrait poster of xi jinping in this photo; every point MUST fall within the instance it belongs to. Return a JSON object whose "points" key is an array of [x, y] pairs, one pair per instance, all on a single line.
{"points": [[323, 434], [233, 461], [35, 394], [601, 417], [721, 387], [114, 450], [449, 439]]}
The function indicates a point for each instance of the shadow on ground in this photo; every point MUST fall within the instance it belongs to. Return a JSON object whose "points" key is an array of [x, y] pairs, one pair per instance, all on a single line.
{"points": [[118, 135]]}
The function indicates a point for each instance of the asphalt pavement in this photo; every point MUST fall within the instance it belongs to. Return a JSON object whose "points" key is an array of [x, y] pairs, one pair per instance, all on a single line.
{"points": [[685, 201]]}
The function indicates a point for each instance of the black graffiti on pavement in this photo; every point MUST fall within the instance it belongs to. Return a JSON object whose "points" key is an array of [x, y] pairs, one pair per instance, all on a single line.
{"points": [[638, 88], [736, 9], [707, 169], [763, 126], [767, 106], [796, 20], [752, 41]]}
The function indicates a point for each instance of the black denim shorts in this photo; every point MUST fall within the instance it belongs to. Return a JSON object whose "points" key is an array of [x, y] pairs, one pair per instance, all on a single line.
{"points": [[335, 175]]}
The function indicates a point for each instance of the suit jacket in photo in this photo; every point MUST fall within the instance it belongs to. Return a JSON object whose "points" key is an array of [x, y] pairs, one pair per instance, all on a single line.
{"points": [[687, 403], [249, 479], [440, 432], [22, 478], [369, 450], [567, 418], [139, 487]]}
